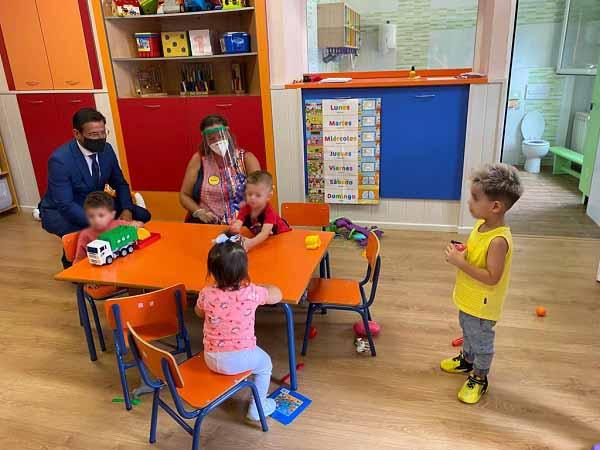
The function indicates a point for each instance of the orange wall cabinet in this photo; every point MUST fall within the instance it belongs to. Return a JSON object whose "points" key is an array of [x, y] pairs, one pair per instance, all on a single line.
{"points": [[24, 45], [48, 44], [65, 44]]}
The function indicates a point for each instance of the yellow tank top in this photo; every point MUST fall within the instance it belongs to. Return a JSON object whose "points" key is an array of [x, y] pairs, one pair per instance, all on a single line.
{"points": [[476, 298]]}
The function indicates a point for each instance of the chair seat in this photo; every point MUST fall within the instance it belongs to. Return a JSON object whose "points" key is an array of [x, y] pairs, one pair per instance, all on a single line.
{"points": [[103, 292], [204, 385], [334, 291]]}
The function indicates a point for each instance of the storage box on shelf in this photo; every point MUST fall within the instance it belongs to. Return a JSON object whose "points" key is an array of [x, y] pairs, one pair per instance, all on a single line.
{"points": [[338, 26]]}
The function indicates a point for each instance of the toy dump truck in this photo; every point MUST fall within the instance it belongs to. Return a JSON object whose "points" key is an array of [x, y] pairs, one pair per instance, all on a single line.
{"points": [[111, 244]]}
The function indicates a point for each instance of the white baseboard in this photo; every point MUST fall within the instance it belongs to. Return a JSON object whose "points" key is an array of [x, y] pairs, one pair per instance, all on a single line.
{"points": [[410, 226], [464, 230]]}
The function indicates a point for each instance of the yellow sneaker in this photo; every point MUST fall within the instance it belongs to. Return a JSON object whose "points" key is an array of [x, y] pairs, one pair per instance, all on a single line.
{"points": [[473, 390], [458, 364]]}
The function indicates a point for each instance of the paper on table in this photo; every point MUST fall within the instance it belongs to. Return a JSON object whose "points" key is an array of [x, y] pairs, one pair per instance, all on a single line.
{"points": [[335, 80]]}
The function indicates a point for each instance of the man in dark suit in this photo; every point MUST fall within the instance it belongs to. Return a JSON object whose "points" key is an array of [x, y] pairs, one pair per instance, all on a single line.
{"points": [[83, 165]]}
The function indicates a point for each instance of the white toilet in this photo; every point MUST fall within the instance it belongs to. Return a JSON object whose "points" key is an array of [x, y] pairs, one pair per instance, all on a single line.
{"points": [[534, 148]]}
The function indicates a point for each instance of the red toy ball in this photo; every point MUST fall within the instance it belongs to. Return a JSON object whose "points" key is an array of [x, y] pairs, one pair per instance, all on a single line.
{"points": [[312, 333], [359, 328]]}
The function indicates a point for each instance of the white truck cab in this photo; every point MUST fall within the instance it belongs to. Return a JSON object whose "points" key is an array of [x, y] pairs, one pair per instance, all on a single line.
{"points": [[99, 252]]}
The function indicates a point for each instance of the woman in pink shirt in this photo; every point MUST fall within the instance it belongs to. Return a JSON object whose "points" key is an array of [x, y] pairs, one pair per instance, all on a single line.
{"points": [[228, 308]]}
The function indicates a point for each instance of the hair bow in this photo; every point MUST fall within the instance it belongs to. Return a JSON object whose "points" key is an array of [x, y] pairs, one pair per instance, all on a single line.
{"points": [[223, 237]]}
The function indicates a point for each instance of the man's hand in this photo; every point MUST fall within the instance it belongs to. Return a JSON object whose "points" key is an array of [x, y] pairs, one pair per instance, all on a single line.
{"points": [[126, 215]]}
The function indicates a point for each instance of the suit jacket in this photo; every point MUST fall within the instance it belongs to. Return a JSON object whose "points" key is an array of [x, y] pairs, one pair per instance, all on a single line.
{"points": [[70, 181]]}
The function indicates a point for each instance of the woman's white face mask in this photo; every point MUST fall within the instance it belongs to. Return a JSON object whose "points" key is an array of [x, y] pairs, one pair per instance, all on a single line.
{"points": [[220, 147]]}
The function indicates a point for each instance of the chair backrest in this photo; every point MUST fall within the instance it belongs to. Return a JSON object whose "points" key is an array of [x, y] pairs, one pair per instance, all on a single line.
{"points": [[152, 357], [70, 245], [372, 252], [164, 306], [306, 214]]}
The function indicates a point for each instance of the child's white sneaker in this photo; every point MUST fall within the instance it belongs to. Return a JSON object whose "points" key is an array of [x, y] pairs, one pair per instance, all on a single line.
{"points": [[269, 407]]}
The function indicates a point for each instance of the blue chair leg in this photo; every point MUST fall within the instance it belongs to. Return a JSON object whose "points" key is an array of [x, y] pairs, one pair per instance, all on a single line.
{"points": [[188, 346], [196, 435], [87, 328], [363, 314], [309, 317], [97, 323], [154, 416], [259, 407], [123, 376], [327, 265], [369, 314], [289, 321]]}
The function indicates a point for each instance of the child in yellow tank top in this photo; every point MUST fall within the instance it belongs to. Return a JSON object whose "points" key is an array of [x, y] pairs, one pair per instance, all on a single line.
{"points": [[483, 275]]}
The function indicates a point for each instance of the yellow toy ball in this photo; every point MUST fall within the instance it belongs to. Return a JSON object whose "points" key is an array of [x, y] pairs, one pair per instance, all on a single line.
{"points": [[143, 234], [312, 242]]}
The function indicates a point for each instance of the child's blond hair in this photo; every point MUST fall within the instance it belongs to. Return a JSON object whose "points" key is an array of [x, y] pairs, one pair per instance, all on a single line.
{"points": [[261, 177], [499, 182]]}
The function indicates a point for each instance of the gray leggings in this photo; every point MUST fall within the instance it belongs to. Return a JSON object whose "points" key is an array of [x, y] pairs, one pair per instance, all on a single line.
{"points": [[478, 346]]}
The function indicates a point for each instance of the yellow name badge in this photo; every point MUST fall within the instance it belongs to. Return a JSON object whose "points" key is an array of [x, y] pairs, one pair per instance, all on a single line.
{"points": [[213, 180]]}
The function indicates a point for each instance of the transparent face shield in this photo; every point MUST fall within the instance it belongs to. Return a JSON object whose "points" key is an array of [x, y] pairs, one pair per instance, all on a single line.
{"points": [[219, 142]]}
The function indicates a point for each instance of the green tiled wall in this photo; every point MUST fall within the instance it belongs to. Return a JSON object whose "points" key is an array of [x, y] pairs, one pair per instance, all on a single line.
{"points": [[550, 106]]}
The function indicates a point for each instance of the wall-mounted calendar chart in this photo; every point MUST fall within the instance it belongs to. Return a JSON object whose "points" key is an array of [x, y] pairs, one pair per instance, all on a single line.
{"points": [[343, 144]]}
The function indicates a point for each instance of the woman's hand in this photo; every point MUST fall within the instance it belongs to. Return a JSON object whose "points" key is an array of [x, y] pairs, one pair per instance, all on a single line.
{"points": [[455, 256], [205, 216]]}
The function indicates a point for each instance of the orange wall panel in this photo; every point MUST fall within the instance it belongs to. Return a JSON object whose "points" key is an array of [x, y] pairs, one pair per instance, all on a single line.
{"points": [[25, 45], [65, 44]]}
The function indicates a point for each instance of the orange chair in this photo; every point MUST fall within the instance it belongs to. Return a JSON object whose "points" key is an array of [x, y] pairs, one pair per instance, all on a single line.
{"points": [[91, 292], [346, 295], [191, 382], [309, 215], [155, 315]]}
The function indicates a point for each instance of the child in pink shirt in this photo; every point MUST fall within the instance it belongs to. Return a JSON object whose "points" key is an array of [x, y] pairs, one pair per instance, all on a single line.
{"points": [[100, 212], [228, 308]]}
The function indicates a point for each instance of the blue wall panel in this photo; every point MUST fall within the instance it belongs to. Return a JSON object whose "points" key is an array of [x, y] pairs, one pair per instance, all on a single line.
{"points": [[422, 138]]}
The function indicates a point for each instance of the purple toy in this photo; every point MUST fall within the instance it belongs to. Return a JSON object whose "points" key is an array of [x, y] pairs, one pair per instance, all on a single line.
{"points": [[345, 227], [596, 447]]}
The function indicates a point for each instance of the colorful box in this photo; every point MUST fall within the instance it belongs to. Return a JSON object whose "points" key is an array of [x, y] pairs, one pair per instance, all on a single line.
{"points": [[200, 42], [233, 4], [148, 45], [235, 42], [175, 43]]}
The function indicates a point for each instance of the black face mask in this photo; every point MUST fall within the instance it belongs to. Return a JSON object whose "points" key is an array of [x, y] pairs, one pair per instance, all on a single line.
{"points": [[94, 145]]}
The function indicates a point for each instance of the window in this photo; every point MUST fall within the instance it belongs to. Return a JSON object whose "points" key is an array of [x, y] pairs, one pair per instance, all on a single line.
{"points": [[376, 35], [580, 44]]}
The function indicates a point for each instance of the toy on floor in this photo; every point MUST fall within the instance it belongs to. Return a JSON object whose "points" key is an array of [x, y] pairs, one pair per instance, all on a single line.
{"points": [[312, 242], [134, 401], [290, 405], [362, 345], [458, 341], [345, 228], [596, 447], [312, 333], [286, 378], [359, 328], [111, 244], [540, 311]]}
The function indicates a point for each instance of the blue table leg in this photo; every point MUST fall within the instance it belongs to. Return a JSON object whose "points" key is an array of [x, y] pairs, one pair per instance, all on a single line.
{"points": [[289, 319], [85, 318]]}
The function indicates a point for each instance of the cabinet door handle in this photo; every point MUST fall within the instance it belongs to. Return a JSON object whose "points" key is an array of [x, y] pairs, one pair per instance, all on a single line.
{"points": [[32, 83], [35, 102], [72, 82], [152, 106], [224, 105], [74, 101], [425, 96]]}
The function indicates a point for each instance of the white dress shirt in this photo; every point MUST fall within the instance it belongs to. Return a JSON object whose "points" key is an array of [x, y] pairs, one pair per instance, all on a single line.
{"points": [[89, 156]]}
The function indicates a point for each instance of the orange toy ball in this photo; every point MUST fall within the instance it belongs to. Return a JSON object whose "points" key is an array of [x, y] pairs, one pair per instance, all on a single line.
{"points": [[540, 311]]}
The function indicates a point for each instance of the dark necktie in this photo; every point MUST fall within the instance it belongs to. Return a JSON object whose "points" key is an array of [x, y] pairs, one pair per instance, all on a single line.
{"points": [[95, 171]]}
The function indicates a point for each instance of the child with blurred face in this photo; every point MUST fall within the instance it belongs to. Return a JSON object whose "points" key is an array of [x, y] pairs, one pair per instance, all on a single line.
{"points": [[257, 214]]}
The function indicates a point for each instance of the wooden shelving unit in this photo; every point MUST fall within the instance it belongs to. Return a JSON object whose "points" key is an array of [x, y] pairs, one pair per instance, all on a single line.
{"points": [[338, 26], [5, 175], [123, 50]]}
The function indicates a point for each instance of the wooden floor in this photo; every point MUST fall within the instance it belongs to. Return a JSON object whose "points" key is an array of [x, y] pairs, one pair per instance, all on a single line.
{"points": [[545, 381], [551, 206]]}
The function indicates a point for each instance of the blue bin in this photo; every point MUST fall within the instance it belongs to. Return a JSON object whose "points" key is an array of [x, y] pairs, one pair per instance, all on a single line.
{"points": [[235, 42]]}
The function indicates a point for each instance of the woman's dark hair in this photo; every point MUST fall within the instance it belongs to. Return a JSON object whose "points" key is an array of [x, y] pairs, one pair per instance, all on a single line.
{"points": [[86, 115], [212, 120], [228, 265]]}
